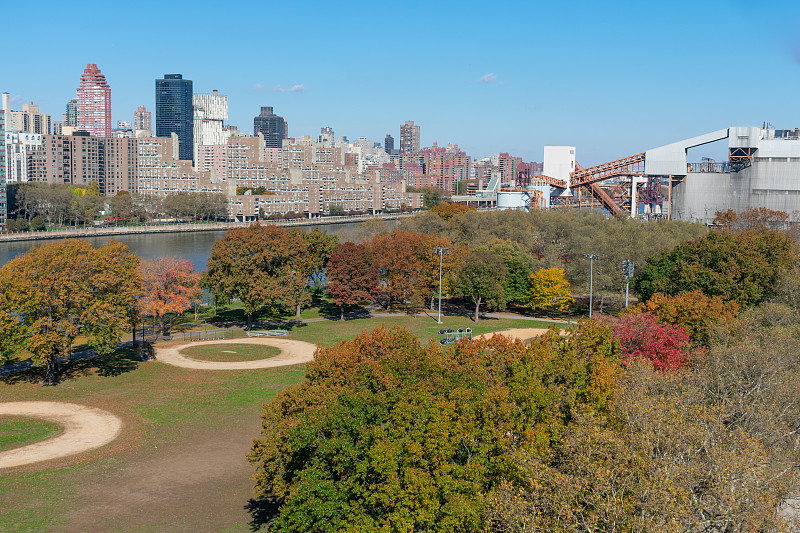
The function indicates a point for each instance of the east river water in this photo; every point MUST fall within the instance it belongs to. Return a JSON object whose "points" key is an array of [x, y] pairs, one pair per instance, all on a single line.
{"points": [[194, 246]]}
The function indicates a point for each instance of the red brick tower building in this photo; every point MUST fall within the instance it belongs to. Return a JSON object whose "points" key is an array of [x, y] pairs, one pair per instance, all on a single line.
{"points": [[94, 103]]}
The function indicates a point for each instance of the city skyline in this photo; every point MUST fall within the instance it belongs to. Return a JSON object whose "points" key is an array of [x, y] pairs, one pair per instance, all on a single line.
{"points": [[611, 80]]}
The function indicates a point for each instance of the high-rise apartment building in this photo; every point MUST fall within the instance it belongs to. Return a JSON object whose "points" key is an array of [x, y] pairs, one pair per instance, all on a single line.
{"points": [[326, 136], [175, 112], [210, 111], [3, 204], [388, 144], [272, 126], [142, 119], [81, 159], [28, 120], [409, 138], [18, 144], [94, 102], [71, 116]]}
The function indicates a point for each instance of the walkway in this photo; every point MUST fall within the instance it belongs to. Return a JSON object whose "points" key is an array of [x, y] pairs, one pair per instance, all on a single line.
{"points": [[85, 428]]}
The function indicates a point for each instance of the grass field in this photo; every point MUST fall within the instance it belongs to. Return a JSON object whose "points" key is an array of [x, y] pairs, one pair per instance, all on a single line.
{"points": [[230, 352], [21, 431], [179, 463]]}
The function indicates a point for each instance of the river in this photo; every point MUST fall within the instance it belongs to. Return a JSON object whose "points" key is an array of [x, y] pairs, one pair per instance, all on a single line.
{"points": [[194, 246]]}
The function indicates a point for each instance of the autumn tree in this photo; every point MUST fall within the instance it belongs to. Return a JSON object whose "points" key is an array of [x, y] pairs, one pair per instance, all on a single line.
{"points": [[549, 289], [169, 285], [399, 258], [58, 291], [449, 210], [352, 275], [311, 255], [388, 433], [252, 264], [481, 278], [708, 448], [692, 310], [641, 336], [743, 267]]}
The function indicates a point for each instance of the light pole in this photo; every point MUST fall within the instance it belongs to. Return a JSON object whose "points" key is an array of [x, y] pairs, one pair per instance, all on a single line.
{"points": [[441, 252], [627, 271], [591, 258]]}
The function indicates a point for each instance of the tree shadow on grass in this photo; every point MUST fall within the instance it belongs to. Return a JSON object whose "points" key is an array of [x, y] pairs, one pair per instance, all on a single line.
{"points": [[263, 512], [111, 365], [119, 362]]}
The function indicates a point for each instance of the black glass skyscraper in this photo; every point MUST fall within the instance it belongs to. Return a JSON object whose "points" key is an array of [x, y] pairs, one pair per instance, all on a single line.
{"points": [[272, 126], [174, 112]]}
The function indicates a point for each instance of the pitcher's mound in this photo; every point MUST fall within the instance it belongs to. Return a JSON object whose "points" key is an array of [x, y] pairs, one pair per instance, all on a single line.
{"points": [[292, 353]]}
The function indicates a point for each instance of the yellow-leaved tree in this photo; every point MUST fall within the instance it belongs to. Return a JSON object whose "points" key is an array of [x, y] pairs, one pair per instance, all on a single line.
{"points": [[549, 289]]}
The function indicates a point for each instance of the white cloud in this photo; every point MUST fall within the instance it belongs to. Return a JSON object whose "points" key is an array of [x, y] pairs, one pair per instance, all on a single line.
{"points": [[293, 89], [258, 86], [17, 99], [487, 78]]}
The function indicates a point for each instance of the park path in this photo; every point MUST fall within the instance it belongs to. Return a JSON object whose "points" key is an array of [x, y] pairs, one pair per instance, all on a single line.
{"points": [[292, 353], [85, 428]]}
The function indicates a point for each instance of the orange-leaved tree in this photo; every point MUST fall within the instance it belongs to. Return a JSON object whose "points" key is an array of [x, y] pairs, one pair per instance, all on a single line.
{"points": [[60, 290], [549, 289], [693, 310], [169, 285], [352, 275]]}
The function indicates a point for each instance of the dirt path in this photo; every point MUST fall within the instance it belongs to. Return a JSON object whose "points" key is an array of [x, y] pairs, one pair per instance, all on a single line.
{"points": [[517, 333], [85, 428], [292, 353]]}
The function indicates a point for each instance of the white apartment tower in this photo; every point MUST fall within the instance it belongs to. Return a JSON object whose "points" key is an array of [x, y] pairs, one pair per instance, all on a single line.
{"points": [[210, 110]]}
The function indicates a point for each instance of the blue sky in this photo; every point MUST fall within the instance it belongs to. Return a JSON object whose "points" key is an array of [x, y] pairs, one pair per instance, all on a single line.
{"points": [[612, 78]]}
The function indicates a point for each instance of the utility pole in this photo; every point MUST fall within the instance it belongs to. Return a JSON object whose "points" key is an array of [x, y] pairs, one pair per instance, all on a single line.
{"points": [[591, 258], [627, 271], [441, 252]]}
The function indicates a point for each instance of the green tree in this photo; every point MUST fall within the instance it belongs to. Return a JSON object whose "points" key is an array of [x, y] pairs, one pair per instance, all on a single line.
{"points": [[60, 290], [253, 265], [312, 251], [519, 266], [744, 267], [549, 289], [481, 278]]}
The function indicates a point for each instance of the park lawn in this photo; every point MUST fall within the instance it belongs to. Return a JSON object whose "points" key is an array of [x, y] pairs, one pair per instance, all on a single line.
{"points": [[230, 352], [329, 332], [18, 431], [179, 463]]}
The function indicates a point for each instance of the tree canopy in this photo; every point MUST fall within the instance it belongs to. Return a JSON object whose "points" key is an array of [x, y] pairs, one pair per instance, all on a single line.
{"points": [[254, 265], [60, 290], [387, 433], [481, 278], [743, 267], [169, 284]]}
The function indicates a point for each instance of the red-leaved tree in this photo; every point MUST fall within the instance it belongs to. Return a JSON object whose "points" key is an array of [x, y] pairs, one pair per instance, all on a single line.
{"points": [[641, 336], [352, 275], [169, 284]]}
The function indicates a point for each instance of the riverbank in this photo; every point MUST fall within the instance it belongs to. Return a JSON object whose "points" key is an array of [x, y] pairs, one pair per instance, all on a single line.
{"points": [[188, 227]]}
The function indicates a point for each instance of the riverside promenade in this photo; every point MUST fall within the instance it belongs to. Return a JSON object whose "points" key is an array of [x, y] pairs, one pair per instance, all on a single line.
{"points": [[187, 227]]}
